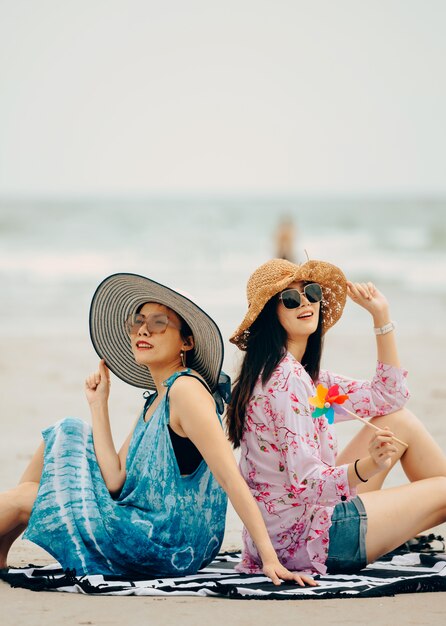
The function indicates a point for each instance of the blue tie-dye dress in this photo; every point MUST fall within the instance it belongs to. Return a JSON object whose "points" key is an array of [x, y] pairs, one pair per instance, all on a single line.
{"points": [[161, 524]]}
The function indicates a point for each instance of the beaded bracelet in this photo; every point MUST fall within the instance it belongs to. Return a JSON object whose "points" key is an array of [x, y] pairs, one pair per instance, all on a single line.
{"points": [[356, 472]]}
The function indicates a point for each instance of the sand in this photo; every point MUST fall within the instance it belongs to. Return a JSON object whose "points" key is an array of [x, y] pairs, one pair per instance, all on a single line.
{"points": [[42, 381]]}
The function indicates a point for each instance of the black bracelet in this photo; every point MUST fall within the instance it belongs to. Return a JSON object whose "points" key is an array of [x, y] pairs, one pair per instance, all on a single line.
{"points": [[356, 472]]}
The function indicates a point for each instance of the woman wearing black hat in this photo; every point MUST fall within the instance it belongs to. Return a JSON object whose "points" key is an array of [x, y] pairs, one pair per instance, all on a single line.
{"points": [[157, 507]]}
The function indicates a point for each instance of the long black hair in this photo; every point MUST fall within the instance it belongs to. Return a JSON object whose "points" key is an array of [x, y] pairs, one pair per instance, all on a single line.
{"points": [[265, 347]]}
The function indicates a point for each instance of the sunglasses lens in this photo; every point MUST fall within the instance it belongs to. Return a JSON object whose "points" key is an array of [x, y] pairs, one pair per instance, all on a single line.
{"points": [[133, 323], [155, 323], [313, 292], [291, 299]]}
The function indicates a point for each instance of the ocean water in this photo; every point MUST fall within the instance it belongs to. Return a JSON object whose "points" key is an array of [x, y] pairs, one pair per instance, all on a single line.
{"points": [[53, 253]]}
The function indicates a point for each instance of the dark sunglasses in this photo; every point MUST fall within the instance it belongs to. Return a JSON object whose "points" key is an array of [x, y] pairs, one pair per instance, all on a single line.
{"points": [[156, 323], [291, 298]]}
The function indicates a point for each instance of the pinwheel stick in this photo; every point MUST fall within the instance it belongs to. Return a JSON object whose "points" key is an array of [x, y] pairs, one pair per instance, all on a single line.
{"points": [[405, 445]]}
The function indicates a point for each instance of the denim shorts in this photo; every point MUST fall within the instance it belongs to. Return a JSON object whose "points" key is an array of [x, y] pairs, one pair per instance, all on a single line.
{"points": [[346, 549]]}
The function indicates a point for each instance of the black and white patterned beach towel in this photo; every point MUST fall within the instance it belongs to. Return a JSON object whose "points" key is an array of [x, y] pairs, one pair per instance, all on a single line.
{"points": [[402, 573]]}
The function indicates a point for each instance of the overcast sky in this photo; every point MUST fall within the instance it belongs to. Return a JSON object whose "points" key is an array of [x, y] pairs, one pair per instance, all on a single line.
{"points": [[264, 96]]}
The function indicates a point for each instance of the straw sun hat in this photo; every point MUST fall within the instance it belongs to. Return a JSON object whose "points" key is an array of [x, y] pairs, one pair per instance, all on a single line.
{"points": [[276, 275], [120, 295]]}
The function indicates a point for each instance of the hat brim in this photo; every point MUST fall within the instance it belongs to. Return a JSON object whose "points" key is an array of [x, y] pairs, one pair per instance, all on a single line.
{"points": [[117, 297]]}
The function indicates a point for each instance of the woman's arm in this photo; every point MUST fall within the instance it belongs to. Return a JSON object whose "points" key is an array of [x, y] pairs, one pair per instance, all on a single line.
{"points": [[111, 464], [387, 391], [382, 450], [306, 476], [193, 409], [373, 301]]}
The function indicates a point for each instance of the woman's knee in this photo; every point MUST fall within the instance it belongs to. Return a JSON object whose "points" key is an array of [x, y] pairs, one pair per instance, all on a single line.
{"points": [[71, 424], [429, 493], [400, 420], [439, 489], [71, 427]]}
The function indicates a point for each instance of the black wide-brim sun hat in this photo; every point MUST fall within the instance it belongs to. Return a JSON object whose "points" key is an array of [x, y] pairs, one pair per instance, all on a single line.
{"points": [[117, 297]]}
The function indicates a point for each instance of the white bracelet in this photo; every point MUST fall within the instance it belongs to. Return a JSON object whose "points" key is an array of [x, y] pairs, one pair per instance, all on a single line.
{"points": [[387, 328]]}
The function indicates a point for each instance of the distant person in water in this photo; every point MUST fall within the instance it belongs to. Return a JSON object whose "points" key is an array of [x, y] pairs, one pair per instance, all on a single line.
{"points": [[157, 507], [284, 239]]}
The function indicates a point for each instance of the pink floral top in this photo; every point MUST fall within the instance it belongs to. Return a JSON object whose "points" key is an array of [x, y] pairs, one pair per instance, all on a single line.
{"points": [[288, 458]]}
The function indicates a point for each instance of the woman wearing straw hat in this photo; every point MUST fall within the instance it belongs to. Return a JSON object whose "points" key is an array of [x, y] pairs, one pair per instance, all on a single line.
{"points": [[157, 507], [308, 494]]}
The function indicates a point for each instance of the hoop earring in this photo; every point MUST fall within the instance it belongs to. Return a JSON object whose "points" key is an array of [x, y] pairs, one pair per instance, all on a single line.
{"points": [[183, 358]]}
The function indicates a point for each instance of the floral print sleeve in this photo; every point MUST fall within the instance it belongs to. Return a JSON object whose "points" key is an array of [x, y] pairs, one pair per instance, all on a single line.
{"points": [[385, 393], [306, 460]]}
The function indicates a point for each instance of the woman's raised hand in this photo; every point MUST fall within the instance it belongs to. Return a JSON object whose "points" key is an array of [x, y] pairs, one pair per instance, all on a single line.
{"points": [[278, 572], [368, 296], [382, 448], [97, 385]]}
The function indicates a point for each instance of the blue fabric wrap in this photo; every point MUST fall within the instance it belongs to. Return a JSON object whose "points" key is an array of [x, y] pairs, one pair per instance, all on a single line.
{"points": [[161, 524]]}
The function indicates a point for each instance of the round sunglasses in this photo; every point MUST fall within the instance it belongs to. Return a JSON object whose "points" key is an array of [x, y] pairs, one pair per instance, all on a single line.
{"points": [[292, 298], [156, 323]]}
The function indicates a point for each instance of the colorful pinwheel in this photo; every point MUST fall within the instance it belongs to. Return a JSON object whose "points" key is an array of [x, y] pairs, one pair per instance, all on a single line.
{"points": [[328, 402]]}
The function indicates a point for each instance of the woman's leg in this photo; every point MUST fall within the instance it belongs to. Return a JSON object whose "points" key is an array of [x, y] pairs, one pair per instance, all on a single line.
{"points": [[422, 459], [395, 515], [16, 504], [6, 542], [15, 509], [33, 472]]}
